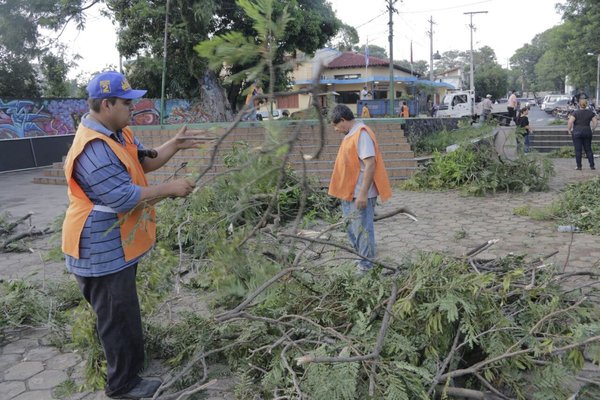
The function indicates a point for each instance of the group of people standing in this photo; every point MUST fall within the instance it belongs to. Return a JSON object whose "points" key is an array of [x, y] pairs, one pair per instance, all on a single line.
{"points": [[580, 126]]}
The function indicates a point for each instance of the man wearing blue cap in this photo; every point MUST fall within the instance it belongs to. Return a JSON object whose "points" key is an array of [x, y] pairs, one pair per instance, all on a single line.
{"points": [[110, 223]]}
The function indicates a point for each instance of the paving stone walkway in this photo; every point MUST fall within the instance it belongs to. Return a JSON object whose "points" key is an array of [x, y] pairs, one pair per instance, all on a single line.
{"points": [[31, 368]]}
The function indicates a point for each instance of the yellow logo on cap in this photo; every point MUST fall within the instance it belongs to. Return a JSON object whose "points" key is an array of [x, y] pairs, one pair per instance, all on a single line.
{"points": [[105, 86], [125, 85]]}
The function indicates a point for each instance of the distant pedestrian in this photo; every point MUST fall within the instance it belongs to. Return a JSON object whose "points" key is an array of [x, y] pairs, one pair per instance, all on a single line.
{"points": [[364, 93], [581, 125], [523, 129], [486, 107], [512, 107], [365, 112], [358, 177], [404, 112], [579, 95]]}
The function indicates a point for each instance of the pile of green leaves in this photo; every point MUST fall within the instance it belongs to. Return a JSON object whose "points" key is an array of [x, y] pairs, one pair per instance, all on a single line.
{"points": [[476, 169], [332, 313], [25, 304], [438, 141], [579, 205]]}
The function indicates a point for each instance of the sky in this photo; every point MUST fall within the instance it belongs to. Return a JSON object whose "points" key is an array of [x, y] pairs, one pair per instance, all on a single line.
{"points": [[507, 26]]}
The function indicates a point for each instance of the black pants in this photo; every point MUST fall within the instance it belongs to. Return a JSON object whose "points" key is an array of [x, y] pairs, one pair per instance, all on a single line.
{"points": [[583, 142], [114, 300], [512, 114]]}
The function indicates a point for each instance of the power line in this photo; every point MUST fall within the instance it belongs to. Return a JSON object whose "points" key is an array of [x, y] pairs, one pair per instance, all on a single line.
{"points": [[371, 20], [445, 8]]}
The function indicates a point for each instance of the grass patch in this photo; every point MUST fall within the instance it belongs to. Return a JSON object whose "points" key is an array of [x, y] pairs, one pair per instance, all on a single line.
{"points": [[558, 122]]}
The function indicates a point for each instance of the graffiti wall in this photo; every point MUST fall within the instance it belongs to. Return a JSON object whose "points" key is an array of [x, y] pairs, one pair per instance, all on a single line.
{"points": [[51, 117]]}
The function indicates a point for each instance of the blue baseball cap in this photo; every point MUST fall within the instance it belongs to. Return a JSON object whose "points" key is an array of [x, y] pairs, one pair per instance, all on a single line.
{"points": [[112, 84]]}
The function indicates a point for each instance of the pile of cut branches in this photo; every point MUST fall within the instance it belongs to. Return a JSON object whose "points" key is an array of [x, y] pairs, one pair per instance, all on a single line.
{"points": [[15, 232], [435, 326], [476, 169]]}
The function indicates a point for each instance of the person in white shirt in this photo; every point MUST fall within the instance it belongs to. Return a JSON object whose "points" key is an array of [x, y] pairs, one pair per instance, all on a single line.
{"points": [[512, 107]]}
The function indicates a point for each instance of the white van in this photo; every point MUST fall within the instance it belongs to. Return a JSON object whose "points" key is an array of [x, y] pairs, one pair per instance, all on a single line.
{"points": [[550, 99]]}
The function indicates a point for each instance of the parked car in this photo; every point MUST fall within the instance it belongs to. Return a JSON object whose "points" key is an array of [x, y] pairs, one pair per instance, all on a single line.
{"points": [[276, 114], [559, 104], [550, 100]]}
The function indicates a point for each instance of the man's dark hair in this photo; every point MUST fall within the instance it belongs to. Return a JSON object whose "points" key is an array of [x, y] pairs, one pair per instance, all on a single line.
{"points": [[340, 112], [95, 104]]}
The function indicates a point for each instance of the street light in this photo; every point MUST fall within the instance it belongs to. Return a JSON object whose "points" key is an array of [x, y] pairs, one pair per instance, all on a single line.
{"points": [[472, 86], [597, 77]]}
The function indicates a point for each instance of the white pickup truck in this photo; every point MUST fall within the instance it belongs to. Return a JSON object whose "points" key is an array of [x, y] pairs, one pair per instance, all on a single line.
{"points": [[458, 103]]}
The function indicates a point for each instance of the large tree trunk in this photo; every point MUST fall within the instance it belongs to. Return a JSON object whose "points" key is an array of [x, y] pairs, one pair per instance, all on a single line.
{"points": [[213, 99]]}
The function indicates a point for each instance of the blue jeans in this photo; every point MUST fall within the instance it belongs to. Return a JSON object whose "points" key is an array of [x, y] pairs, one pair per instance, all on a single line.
{"points": [[361, 230], [520, 141]]}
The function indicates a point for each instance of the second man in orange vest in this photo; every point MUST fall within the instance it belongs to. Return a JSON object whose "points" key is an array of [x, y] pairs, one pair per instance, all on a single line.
{"points": [[358, 177]]}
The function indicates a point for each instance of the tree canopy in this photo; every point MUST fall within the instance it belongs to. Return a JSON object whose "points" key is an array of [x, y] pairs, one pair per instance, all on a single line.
{"points": [[22, 42], [312, 23]]}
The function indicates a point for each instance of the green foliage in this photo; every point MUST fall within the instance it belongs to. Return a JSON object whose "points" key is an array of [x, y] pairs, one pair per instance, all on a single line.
{"points": [[438, 298], [476, 169], [21, 304], [311, 24], [65, 390], [579, 205], [173, 342], [21, 40], [55, 69], [569, 151], [235, 202], [337, 381], [438, 141], [558, 122]]}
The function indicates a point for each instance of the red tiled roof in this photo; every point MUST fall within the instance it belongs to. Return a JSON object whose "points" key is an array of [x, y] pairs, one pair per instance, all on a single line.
{"points": [[353, 60], [350, 60]]}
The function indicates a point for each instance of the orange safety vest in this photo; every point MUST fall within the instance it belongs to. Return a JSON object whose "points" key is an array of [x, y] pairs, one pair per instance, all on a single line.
{"points": [[347, 169], [405, 111], [137, 227]]}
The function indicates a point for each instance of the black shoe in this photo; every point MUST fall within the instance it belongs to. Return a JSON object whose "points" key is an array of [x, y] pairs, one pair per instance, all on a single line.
{"points": [[146, 388], [578, 169], [592, 167]]}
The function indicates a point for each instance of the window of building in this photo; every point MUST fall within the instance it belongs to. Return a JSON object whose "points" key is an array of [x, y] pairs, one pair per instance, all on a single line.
{"points": [[347, 76], [348, 97]]}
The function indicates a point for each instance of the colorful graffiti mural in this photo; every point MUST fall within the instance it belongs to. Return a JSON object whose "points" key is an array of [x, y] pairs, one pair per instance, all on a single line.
{"points": [[42, 117], [48, 117]]}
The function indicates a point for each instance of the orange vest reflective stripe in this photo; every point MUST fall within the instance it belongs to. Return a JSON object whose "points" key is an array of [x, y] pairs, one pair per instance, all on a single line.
{"points": [[137, 227], [347, 169]]}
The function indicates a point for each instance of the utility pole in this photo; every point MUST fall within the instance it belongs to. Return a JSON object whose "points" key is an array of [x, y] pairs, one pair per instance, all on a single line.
{"points": [[430, 33], [392, 89], [164, 69], [472, 86]]}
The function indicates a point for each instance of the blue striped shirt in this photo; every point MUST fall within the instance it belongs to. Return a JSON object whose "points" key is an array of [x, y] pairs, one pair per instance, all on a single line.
{"points": [[105, 181]]}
